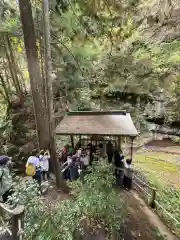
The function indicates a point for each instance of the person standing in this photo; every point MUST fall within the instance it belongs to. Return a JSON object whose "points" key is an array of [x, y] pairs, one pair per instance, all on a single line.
{"points": [[6, 182], [71, 168], [70, 150], [41, 155], [84, 159], [33, 167], [109, 151], [128, 174], [65, 153], [119, 167], [45, 166]]}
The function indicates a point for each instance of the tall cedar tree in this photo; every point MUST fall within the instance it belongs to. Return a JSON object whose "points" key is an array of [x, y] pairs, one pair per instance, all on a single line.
{"points": [[40, 109]]}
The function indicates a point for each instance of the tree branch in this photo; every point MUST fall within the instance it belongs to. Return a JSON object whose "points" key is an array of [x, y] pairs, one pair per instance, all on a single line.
{"points": [[64, 45]]}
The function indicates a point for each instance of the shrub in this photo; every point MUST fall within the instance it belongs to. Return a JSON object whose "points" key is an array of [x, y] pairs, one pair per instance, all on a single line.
{"points": [[95, 205]]}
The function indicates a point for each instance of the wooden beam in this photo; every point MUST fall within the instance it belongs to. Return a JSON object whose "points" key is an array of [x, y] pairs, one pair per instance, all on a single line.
{"points": [[72, 141], [119, 143]]}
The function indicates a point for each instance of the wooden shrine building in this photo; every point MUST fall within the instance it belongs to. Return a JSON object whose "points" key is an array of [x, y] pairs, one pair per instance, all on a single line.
{"points": [[112, 124]]}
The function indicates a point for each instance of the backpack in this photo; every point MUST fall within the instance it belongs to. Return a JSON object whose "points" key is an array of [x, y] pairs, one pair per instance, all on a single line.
{"points": [[30, 170]]}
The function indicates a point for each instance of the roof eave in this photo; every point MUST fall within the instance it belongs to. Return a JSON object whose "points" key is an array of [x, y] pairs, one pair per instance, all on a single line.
{"points": [[97, 134]]}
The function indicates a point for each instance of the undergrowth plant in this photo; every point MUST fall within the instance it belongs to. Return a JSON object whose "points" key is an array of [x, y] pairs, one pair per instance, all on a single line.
{"points": [[95, 206]]}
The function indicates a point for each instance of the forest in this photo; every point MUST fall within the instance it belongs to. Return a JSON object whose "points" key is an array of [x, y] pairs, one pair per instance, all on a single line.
{"points": [[104, 55], [77, 55]]}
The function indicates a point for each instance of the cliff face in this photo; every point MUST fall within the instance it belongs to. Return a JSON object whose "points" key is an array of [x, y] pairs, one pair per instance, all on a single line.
{"points": [[160, 20], [18, 135], [147, 61], [160, 31]]}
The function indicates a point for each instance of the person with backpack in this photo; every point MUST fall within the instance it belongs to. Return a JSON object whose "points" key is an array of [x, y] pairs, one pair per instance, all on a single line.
{"points": [[6, 182], [33, 168]]}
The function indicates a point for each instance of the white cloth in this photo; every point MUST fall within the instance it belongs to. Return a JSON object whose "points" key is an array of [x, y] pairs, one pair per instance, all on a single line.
{"points": [[128, 170], [40, 160], [45, 163], [85, 160], [69, 160], [34, 160], [79, 152]]}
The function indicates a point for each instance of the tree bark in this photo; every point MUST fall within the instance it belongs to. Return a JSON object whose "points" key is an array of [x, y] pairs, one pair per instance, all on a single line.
{"points": [[14, 66], [11, 68], [49, 92], [6, 92], [40, 110]]}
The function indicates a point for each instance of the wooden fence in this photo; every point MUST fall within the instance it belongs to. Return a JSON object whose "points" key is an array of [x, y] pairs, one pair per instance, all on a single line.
{"points": [[16, 222], [150, 195]]}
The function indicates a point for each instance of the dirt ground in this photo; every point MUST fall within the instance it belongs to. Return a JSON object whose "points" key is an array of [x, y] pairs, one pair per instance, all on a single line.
{"points": [[141, 222], [162, 143]]}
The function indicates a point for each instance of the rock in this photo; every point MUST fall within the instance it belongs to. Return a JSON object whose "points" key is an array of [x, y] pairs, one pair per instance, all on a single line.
{"points": [[27, 148], [12, 150]]}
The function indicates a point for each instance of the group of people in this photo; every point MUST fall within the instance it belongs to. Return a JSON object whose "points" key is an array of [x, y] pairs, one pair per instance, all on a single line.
{"points": [[37, 166], [75, 161]]}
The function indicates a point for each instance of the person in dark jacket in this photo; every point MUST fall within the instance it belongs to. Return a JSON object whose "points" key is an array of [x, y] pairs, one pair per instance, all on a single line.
{"points": [[128, 174], [71, 168], [109, 151], [119, 167], [92, 150]]}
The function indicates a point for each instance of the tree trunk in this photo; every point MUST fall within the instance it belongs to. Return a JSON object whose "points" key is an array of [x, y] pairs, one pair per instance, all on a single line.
{"points": [[40, 110], [14, 66], [11, 68], [49, 92], [6, 92]]}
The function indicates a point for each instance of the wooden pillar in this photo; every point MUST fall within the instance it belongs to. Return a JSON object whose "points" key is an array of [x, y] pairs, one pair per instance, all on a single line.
{"points": [[17, 223], [132, 139], [119, 143], [80, 139], [153, 203], [15, 227], [72, 141]]}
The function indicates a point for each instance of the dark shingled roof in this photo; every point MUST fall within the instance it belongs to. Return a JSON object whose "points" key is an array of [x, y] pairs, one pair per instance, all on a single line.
{"points": [[97, 123]]}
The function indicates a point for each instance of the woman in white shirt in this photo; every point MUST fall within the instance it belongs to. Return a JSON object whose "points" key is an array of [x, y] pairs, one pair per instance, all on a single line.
{"points": [[84, 159], [45, 165]]}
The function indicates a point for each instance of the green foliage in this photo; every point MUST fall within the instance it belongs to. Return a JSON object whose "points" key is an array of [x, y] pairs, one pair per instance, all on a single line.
{"points": [[8, 16], [106, 47], [95, 205], [84, 103], [169, 199], [27, 194], [100, 201], [5, 127]]}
